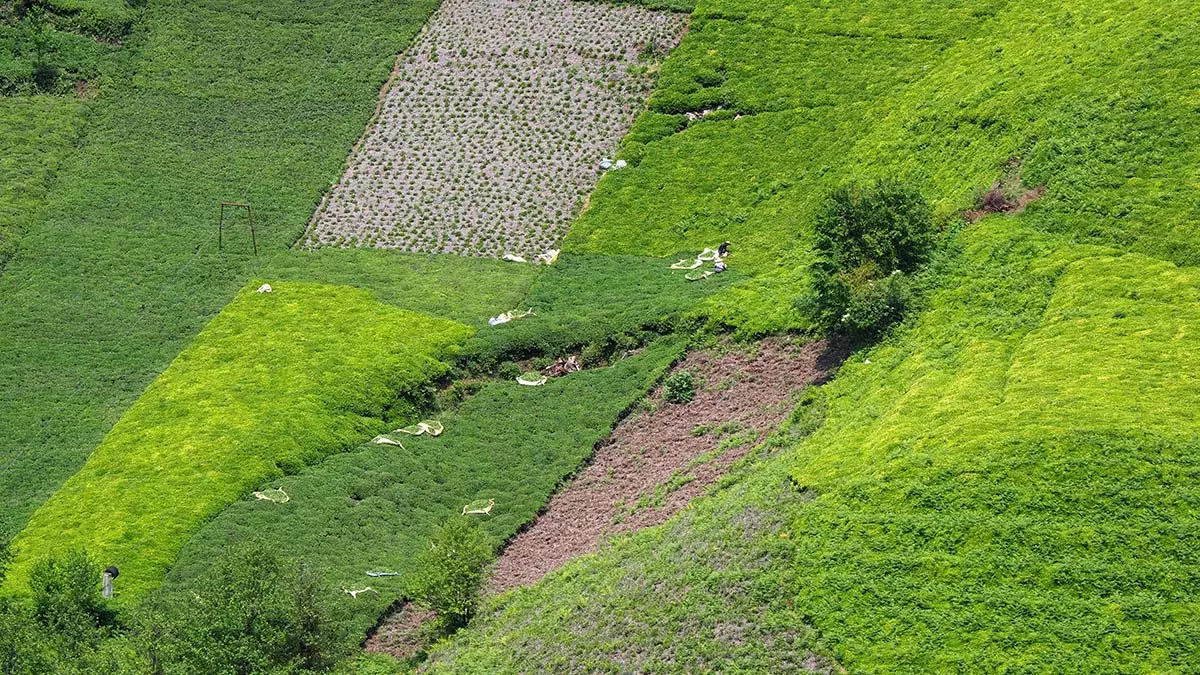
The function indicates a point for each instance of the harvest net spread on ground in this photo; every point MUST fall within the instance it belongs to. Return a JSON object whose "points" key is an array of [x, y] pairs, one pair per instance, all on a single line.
{"points": [[495, 127]]}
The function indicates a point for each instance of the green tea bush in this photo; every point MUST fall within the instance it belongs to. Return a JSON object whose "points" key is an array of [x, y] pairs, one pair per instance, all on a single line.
{"points": [[868, 240], [275, 382], [680, 387], [374, 508], [449, 573]]}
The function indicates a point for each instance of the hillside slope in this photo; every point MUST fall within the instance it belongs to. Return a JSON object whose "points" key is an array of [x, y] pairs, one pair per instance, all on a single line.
{"points": [[117, 268], [1008, 482]]}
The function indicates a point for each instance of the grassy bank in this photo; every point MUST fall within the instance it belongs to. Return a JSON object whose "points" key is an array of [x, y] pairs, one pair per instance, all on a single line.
{"points": [[375, 507]]}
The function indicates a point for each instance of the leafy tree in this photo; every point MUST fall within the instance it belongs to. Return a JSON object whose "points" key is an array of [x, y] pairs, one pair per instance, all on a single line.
{"points": [[450, 572], [37, 26], [869, 242], [252, 612], [67, 600]]}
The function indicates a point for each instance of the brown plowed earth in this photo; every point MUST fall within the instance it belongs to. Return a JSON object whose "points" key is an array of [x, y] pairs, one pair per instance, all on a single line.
{"points": [[656, 462], [400, 635]]}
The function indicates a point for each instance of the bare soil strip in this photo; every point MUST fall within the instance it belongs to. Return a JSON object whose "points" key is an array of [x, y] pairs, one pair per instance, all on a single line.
{"points": [[658, 461]]}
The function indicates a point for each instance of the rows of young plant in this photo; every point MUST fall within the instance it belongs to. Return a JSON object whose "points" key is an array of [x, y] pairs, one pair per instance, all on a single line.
{"points": [[495, 127], [1007, 482], [277, 381], [117, 271], [374, 509]]}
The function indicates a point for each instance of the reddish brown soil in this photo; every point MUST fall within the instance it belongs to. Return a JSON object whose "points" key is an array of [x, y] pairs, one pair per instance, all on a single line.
{"points": [[999, 204], [400, 633], [629, 483]]}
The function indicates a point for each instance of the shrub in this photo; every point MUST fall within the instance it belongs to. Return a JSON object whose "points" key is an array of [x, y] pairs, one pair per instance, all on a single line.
{"points": [[680, 387], [449, 573], [255, 611], [868, 243], [66, 594], [887, 225], [508, 370]]}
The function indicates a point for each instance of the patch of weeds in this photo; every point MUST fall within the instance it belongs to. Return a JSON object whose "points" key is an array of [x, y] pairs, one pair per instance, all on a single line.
{"points": [[680, 387]]}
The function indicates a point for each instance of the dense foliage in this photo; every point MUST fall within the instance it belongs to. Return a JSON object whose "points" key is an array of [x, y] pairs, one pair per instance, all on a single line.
{"points": [[255, 612], [448, 575], [868, 241], [277, 381]]}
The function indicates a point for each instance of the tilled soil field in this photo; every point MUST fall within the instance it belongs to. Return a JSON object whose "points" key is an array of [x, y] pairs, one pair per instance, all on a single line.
{"points": [[658, 461], [495, 127]]}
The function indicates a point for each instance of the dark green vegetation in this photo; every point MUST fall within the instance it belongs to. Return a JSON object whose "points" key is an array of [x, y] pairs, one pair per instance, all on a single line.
{"points": [[39, 52], [36, 133], [277, 381], [376, 507], [449, 573], [117, 270], [1007, 481], [257, 613], [868, 242], [597, 300]]}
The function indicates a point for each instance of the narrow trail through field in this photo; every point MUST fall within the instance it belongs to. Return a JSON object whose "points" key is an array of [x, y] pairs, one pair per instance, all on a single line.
{"points": [[656, 462]]}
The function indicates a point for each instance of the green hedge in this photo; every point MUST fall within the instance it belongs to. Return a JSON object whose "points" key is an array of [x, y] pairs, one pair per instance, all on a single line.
{"points": [[277, 381]]}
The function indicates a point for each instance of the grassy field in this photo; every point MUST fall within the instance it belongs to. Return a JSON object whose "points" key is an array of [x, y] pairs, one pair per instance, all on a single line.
{"points": [[373, 508], [36, 133], [939, 93], [213, 100], [277, 381], [983, 494], [1007, 482]]}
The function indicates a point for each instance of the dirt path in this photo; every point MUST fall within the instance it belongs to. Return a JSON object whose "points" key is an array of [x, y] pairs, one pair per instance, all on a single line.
{"points": [[658, 461]]}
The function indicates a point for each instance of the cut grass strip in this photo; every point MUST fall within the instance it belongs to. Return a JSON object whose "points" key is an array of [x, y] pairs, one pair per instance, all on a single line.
{"points": [[275, 382], [374, 508]]}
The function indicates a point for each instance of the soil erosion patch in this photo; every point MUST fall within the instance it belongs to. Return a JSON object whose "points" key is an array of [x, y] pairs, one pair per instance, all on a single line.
{"points": [[495, 127], [658, 461]]}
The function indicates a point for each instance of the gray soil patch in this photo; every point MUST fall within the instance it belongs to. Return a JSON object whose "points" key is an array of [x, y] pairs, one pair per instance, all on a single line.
{"points": [[493, 127], [657, 461]]}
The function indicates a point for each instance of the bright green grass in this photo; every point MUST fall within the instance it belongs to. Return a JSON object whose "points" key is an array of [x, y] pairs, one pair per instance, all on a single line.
{"points": [[277, 381], [374, 508], [1008, 483], [215, 100], [942, 94]]}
